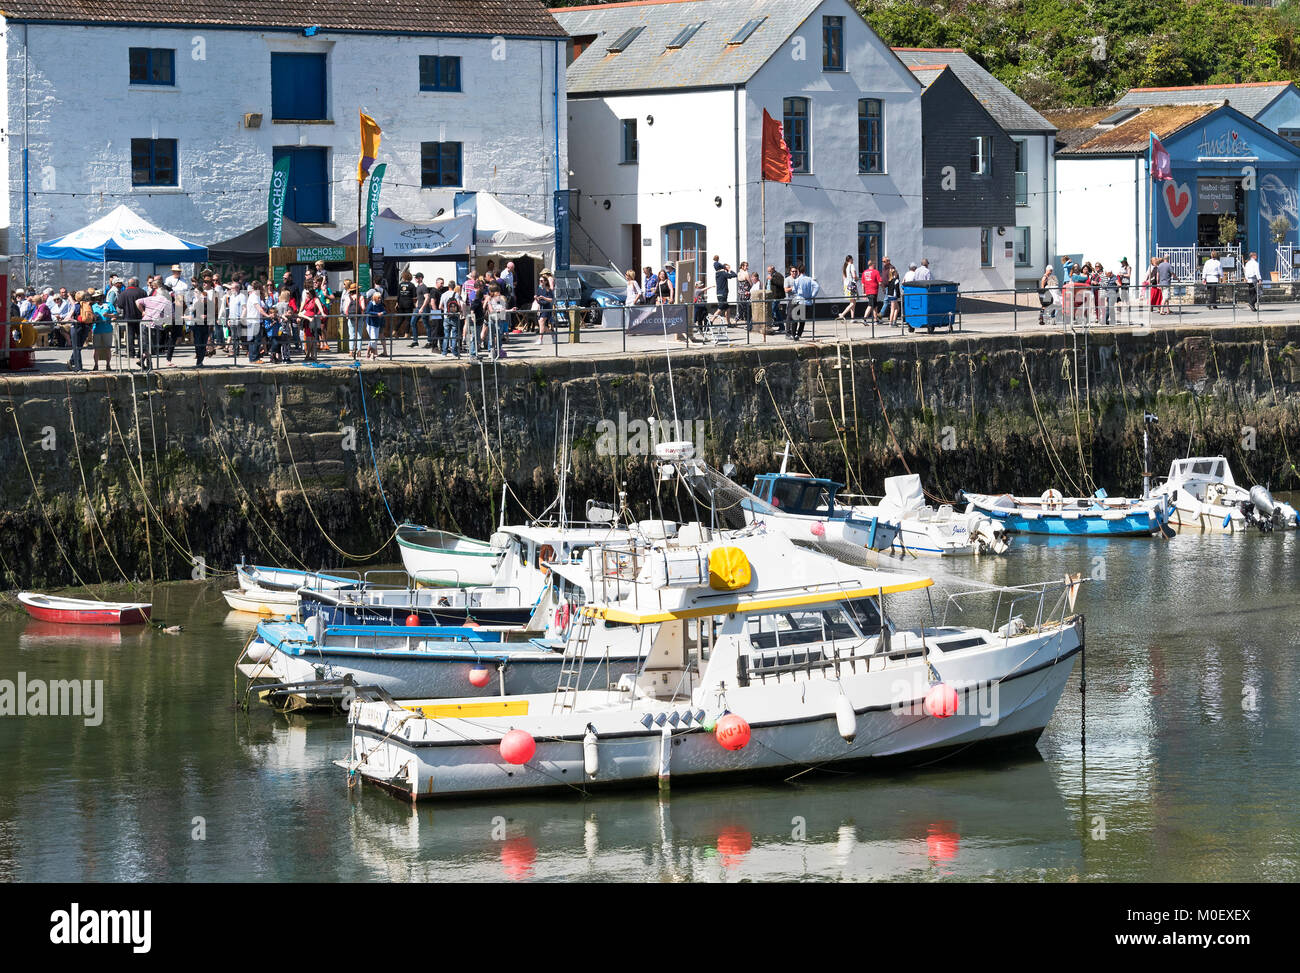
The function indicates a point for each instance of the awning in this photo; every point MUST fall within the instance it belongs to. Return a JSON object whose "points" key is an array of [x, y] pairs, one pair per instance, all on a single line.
{"points": [[250, 247], [124, 236]]}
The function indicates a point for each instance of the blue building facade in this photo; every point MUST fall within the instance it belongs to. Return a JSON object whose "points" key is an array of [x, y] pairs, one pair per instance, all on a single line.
{"points": [[1227, 164]]}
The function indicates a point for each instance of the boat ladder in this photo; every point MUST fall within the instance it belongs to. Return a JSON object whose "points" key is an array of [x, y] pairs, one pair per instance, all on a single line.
{"points": [[575, 653]]}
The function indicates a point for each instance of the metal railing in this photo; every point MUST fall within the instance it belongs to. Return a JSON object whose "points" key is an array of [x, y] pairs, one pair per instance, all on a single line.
{"points": [[1186, 262], [572, 332]]}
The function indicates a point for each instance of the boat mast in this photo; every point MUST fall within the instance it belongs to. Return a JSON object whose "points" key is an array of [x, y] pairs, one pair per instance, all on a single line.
{"points": [[1148, 420]]}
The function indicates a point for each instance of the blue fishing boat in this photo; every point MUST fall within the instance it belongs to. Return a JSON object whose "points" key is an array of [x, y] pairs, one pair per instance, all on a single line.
{"points": [[1054, 514], [803, 508], [311, 665]]}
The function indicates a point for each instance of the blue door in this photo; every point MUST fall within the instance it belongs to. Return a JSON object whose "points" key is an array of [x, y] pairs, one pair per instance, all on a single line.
{"points": [[298, 87], [308, 199]]}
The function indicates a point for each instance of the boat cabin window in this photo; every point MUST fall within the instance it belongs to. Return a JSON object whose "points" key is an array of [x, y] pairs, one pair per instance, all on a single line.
{"points": [[799, 628], [865, 613], [801, 496], [1212, 468]]}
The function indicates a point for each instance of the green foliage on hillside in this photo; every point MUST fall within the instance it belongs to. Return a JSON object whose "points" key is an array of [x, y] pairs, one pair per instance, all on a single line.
{"points": [[1057, 53]]}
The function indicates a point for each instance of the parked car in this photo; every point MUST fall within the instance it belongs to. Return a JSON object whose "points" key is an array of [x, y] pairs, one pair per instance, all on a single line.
{"points": [[603, 292]]}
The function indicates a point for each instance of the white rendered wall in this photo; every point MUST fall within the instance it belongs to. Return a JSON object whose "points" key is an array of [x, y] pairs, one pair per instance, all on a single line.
{"points": [[83, 112], [1098, 202]]}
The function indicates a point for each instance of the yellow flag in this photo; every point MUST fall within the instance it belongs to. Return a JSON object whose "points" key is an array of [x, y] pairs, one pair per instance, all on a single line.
{"points": [[369, 146]]}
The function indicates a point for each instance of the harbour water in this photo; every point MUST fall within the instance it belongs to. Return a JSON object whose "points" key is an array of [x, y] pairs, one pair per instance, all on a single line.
{"points": [[1191, 770]]}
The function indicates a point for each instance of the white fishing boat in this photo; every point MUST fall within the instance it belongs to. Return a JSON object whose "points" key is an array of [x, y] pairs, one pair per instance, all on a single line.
{"points": [[933, 531], [757, 657], [443, 559], [310, 665], [522, 590], [1203, 495]]}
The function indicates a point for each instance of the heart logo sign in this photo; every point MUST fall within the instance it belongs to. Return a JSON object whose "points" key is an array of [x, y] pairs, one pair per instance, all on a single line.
{"points": [[1178, 201]]}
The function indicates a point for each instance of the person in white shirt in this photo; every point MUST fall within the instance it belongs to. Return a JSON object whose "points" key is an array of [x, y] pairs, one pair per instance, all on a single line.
{"points": [[1211, 274], [1253, 281], [923, 272], [911, 274], [175, 281], [61, 307]]}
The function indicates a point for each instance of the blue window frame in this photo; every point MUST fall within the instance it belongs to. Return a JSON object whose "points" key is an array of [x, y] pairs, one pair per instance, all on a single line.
{"points": [[439, 73], [871, 135], [686, 243], [153, 162], [832, 43], [629, 156], [798, 246], [153, 65], [298, 87], [871, 243], [308, 196], [796, 132], [440, 163]]}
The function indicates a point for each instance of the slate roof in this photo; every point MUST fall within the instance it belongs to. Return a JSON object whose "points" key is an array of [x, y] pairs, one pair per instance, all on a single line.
{"points": [[1008, 109], [1250, 99], [1078, 135], [706, 61], [926, 73], [514, 18]]}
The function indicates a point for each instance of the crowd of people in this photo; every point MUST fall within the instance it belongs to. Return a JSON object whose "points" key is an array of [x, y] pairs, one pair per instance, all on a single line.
{"points": [[272, 323], [1091, 294], [789, 298]]}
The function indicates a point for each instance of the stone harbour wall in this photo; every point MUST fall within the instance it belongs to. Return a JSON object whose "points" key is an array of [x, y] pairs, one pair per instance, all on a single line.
{"points": [[179, 473]]}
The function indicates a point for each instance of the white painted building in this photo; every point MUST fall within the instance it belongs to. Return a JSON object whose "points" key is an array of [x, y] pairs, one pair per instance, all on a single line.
{"points": [[666, 104], [184, 121]]}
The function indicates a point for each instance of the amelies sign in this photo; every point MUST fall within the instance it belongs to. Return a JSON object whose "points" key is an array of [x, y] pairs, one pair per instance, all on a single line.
{"points": [[1228, 143]]}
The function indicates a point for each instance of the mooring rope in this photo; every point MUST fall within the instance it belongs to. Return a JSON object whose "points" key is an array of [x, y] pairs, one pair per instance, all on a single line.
{"points": [[293, 464]]}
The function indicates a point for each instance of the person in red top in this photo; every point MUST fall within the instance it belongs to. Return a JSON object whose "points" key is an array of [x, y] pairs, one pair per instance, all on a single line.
{"points": [[871, 281]]}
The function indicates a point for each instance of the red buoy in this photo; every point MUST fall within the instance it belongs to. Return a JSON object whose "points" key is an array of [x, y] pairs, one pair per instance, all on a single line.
{"points": [[818, 529], [479, 677], [412, 619], [732, 732], [941, 701], [518, 747]]}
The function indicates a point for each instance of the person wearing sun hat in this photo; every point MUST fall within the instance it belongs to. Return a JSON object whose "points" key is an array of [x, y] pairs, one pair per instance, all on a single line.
{"points": [[79, 323], [101, 332]]}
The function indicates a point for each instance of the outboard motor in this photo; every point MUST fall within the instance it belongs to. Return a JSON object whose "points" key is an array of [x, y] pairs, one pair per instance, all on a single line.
{"points": [[1277, 514], [1280, 514]]}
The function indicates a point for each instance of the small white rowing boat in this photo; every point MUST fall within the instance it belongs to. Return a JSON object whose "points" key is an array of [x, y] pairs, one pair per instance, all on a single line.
{"points": [[262, 601]]}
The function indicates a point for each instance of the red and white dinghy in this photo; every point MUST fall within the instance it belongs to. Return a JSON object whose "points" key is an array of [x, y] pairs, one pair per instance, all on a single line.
{"points": [[77, 611]]}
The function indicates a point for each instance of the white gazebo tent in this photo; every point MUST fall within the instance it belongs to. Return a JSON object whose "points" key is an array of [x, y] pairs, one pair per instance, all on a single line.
{"points": [[123, 236], [500, 230]]}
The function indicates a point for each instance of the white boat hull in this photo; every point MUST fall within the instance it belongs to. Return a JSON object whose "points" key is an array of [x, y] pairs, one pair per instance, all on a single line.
{"points": [[422, 759], [259, 601]]}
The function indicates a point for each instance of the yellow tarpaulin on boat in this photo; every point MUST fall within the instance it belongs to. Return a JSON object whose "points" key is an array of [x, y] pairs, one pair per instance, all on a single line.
{"points": [[728, 569]]}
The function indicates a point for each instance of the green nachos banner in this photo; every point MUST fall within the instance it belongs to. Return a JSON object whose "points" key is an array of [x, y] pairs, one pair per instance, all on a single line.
{"points": [[372, 203], [275, 202]]}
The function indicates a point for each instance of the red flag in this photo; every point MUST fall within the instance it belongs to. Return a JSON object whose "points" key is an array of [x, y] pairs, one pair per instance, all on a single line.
{"points": [[1161, 167], [776, 154]]}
